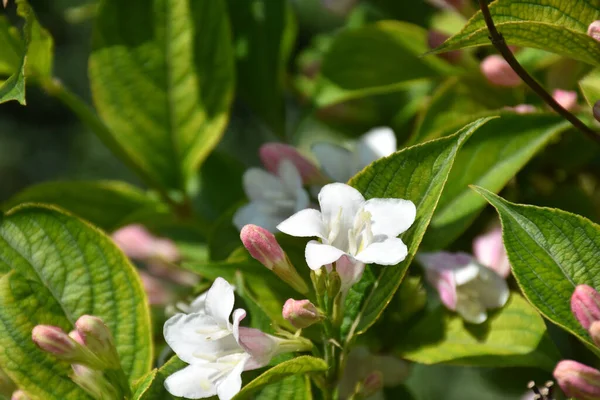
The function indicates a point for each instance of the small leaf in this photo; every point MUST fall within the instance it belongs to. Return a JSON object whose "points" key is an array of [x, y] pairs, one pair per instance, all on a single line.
{"points": [[162, 78], [491, 158], [418, 174], [296, 366], [295, 387], [513, 336], [57, 268], [106, 204], [376, 59], [551, 252], [557, 26], [152, 385]]}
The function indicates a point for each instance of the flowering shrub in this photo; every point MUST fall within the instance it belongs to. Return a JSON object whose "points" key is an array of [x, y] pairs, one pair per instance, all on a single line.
{"points": [[341, 199]]}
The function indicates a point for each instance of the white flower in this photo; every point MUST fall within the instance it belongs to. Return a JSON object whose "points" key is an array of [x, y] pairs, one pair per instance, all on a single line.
{"points": [[273, 198], [347, 225], [464, 285], [341, 164]]}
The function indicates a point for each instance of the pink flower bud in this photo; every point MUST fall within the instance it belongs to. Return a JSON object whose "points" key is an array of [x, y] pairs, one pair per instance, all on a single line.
{"points": [[135, 241], [98, 339], [436, 39], [54, 340], [271, 155], [262, 245], [489, 251], [577, 380], [372, 384], [566, 98], [301, 313], [585, 304], [594, 30], [498, 72], [20, 395], [523, 109], [76, 336], [596, 110], [595, 332]]}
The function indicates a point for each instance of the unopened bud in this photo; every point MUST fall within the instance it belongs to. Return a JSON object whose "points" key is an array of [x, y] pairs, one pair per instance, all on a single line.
{"points": [[262, 245], [372, 384], [19, 395], [271, 155], [334, 284], [301, 313], [498, 72], [318, 279], [98, 339], [585, 304], [596, 110], [54, 340], [93, 382], [76, 336], [578, 380], [436, 39], [594, 30], [566, 98], [595, 332]]}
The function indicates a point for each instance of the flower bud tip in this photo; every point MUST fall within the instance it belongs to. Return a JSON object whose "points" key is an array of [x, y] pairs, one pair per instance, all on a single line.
{"points": [[301, 313], [585, 305], [578, 380]]}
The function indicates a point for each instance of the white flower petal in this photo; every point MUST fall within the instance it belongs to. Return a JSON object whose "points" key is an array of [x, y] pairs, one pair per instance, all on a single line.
{"points": [[289, 176], [336, 197], [390, 251], [261, 185], [255, 213], [337, 162], [390, 217], [471, 310], [196, 334], [493, 290], [375, 144], [238, 316], [219, 301], [198, 305], [192, 382], [305, 223], [319, 254], [231, 384], [467, 273]]}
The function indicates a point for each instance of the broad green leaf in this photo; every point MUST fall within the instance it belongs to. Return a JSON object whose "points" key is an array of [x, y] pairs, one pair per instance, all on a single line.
{"points": [[419, 174], [553, 25], [513, 336], [590, 87], [491, 158], [296, 366], [57, 268], [264, 32], [106, 204], [162, 78], [29, 56], [376, 59], [295, 387], [152, 385], [551, 252]]}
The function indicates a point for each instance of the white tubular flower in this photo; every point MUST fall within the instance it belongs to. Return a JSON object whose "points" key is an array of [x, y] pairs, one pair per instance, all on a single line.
{"points": [[273, 198], [464, 285], [365, 231], [341, 164]]}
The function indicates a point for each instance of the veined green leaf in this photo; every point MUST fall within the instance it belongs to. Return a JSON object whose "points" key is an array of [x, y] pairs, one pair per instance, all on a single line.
{"points": [[295, 387], [553, 25], [376, 59], [419, 174], [106, 204], [297, 366], [551, 252], [162, 78], [490, 159], [57, 268], [513, 336], [152, 385]]}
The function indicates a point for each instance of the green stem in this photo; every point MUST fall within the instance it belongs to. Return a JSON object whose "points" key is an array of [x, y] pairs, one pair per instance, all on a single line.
{"points": [[500, 44]]}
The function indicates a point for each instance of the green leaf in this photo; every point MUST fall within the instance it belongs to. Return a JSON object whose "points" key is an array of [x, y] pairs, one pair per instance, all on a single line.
{"points": [[162, 78], [30, 56], [551, 252], [152, 385], [418, 174], [264, 32], [106, 204], [376, 59], [590, 87], [513, 336], [295, 387], [57, 268], [297, 366], [553, 25], [491, 158]]}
